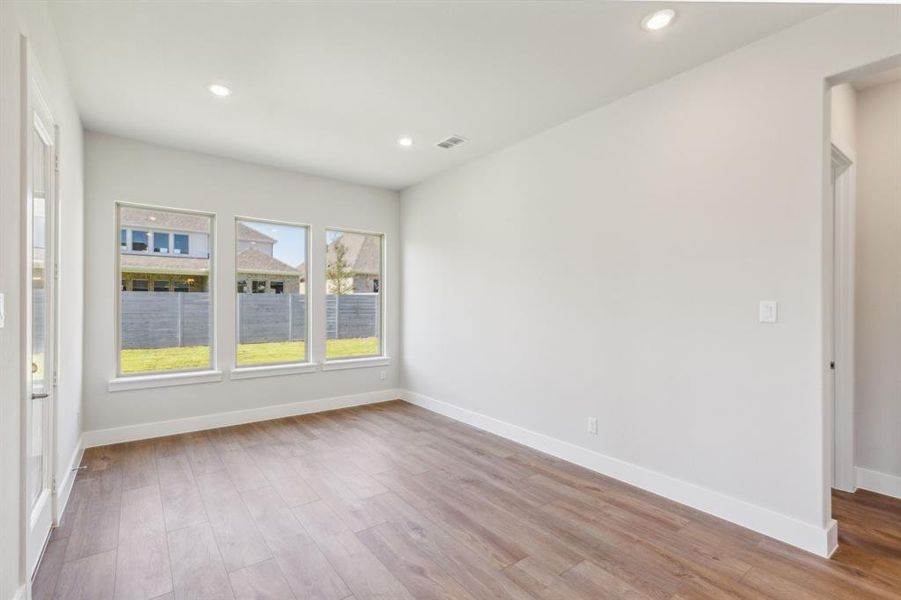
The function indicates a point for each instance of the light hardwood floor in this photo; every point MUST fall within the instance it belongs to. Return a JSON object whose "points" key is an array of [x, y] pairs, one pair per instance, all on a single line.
{"points": [[391, 501]]}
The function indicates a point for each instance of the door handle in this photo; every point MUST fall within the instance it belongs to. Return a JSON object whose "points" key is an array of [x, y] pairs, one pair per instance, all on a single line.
{"points": [[39, 396]]}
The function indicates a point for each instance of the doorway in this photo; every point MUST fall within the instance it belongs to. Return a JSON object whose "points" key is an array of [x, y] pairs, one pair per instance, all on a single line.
{"points": [[842, 333], [39, 275], [863, 306]]}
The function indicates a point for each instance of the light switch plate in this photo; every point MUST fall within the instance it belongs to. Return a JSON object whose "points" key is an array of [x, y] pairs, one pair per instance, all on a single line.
{"points": [[769, 311]]}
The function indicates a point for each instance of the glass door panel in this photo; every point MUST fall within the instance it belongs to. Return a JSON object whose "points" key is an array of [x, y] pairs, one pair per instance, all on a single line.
{"points": [[40, 318]]}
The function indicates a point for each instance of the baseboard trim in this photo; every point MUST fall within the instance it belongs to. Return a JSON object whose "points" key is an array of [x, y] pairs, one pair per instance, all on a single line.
{"points": [[818, 540], [876, 481], [64, 490], [143, 431]]}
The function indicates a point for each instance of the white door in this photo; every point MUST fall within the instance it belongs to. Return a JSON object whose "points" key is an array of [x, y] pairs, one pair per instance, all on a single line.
{"points": [[842, 330], [39, 275]]}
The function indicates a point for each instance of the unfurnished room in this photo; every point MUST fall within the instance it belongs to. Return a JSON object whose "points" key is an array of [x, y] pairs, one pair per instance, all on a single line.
{"points": [[450, 299]]}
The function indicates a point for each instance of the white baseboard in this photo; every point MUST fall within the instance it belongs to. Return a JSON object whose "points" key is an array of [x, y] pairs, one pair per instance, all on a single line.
{"points": [[876, 481], [64, 488], [143, 431], [818, 540]]}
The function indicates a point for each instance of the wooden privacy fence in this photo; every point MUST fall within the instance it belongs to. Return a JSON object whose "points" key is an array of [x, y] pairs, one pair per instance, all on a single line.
{"points": [[172, 319], [351, 316], [165, 319]]}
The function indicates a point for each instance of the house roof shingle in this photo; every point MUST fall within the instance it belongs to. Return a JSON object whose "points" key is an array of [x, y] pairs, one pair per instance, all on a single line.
{"points": [[363, 254], [148, 263], [246, 233], [252, 260], [162, 219], [249, 261]]}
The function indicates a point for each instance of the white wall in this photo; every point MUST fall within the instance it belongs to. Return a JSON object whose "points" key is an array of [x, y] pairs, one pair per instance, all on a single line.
{"points": [[878, 286], [612, 266], [843, 117], [32, 21], [118, 169]]}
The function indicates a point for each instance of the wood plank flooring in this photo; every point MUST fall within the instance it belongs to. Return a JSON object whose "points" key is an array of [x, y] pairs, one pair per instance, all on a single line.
{"points": [[391, 501]]}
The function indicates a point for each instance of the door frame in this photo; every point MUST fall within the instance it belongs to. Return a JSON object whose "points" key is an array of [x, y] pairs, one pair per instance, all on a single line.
{"points": [[843, 178], [32, 84]]}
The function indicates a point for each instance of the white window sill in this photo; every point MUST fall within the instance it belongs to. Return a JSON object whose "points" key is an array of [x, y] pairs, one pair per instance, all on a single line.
{"points": [[272, 370], [139, 382], [356, 363]]}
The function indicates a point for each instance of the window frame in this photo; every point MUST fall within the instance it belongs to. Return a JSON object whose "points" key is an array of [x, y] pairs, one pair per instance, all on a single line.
{"points": [[131, 239], [187, 236], [153, 245], [363, 360], [308, 364], [125, 381]]}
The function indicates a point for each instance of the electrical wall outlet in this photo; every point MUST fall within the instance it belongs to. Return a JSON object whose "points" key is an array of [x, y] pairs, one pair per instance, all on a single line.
{"points": [[593, 425], [769, 311], [383, 374], [2, 310]]}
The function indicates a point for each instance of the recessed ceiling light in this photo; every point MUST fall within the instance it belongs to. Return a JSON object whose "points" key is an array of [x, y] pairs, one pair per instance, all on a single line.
{"points": [[658, 20], [405, 141], [217, 89]]}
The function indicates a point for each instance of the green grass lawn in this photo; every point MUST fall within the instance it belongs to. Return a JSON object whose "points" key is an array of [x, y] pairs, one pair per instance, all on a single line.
{"points": [[197, 357]]}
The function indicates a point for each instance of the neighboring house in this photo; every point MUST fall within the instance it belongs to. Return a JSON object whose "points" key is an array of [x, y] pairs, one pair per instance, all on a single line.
{"points": [[169, 252], [258, 270], [362, 258], [164, 251]]}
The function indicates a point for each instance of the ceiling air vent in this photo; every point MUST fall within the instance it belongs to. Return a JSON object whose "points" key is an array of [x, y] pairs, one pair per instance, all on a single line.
{"points": [[451, 142]]}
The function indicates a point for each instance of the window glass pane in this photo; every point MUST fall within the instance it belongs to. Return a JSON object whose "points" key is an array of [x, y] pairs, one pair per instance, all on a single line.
{"points": [[164, 331], [271, 292], [123, 239], [353, 300], [160, 242], [139, 241], [181, 244]]}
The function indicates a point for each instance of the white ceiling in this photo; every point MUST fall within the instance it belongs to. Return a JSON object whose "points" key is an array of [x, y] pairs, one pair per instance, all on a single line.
{"points": [[327, 87]]}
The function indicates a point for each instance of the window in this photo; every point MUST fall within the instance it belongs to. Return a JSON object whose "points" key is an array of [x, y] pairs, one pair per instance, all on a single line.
{"points": [[160, 242], [123, 239], [161, 331], [181, 244], [272, 327], [139, 241], [353, 302]]}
